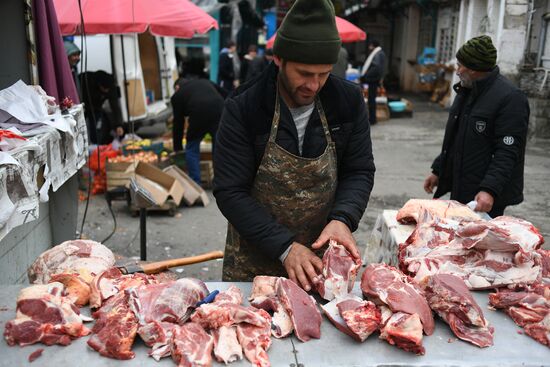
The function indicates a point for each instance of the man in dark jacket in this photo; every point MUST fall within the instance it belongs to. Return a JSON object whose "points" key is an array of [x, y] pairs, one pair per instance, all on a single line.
{"points": [[372, 73], [293, 163], [226, 73], [483, 150], [98, 87], [199, 100]]}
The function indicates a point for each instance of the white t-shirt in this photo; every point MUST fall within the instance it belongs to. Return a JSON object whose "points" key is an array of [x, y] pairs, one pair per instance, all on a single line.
{"points": [[301, 115]]}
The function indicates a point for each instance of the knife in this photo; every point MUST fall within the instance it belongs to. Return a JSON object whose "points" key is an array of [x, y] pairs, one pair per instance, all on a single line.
{"points": [[159, 266]]}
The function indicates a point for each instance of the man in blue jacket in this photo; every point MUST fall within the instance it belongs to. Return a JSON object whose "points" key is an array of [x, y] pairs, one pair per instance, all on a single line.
{"points": [[293, 162], [483, 151]]}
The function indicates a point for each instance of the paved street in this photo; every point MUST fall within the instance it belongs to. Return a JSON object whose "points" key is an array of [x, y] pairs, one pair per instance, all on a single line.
{"points": [[403, 151]]}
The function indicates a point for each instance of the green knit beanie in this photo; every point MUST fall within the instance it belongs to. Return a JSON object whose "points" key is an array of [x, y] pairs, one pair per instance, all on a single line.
{"points": [[308, 34], [478, 54]]}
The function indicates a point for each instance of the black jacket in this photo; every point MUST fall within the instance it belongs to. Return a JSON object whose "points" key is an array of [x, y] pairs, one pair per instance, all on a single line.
{"points": [[241, 141], [484, 143], [200, 100]]}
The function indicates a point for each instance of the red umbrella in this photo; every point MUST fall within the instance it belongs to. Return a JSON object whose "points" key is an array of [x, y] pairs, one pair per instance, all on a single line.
{"points": [[348, 32], [176, 18]]}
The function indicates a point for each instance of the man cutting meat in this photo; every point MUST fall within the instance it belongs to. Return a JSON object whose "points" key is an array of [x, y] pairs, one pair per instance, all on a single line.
{"points": [[293, 161]]}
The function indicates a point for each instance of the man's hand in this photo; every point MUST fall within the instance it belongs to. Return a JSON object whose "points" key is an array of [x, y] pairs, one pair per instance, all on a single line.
{"points": [[119, 131], [338, 231], [430, 183], [484, 202], [302, 265]]}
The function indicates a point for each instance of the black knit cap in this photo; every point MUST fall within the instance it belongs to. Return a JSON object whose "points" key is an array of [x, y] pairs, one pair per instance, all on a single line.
{"points": [[478, 54], [308, 33]]}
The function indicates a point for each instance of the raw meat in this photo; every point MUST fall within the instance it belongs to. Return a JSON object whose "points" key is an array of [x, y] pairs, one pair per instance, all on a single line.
{"points": [[362, 317], [255, 340], [387, 285], [160, 307], [78, 256], [281, 323], [529, 307], [353, 316], [35, 355], [111, 281], [231, 295], [264, 293], [301, 308], [485, 254], [191, 346], [214, 315], [451, 209], [44, 315], [74, 264], [339, 272], [404, 330], [227, 348], [450, 298], [115, 329], [264, 296], [76, 287], [505, 234]]}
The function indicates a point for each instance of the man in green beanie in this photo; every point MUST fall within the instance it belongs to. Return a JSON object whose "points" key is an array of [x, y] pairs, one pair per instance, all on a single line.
{"points": [[293, 160], [483, 152]]}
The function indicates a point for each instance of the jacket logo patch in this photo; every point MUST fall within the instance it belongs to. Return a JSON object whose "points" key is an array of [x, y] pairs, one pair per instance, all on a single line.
{"points": [[508, 140], [480, 126]]}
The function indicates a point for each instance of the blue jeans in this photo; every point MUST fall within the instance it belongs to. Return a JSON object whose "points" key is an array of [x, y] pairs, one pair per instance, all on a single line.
{"points": [[193, 159]]}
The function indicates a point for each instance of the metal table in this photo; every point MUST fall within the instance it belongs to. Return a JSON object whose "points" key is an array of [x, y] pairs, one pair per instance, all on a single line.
{"points": [[333, 349]]}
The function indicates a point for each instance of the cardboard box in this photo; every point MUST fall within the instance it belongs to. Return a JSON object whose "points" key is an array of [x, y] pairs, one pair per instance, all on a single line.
{"points": [[192, 192], [382, 112], [160, 185], [119, 174]]}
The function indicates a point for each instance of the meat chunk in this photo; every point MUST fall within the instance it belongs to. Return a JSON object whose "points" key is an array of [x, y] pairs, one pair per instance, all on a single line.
{"points": [[76, 287], [74, 264], [115, 329], [529, 307], [301, 308], [362, 317], [45, 316], [77, 256], [227, 348], [404, 330], [191, 346], [485, 254], [231, 295], [450, 209], [255, 341], [451, 299], [111, 281], [339, 272], [505, 234], [214, 316], [388, 286], [160, 307], [264, 293], [353, 316], [264, 296]]}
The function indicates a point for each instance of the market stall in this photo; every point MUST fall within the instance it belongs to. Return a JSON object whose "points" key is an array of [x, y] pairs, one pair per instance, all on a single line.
{"points": [[333, 349], [37, 179]]}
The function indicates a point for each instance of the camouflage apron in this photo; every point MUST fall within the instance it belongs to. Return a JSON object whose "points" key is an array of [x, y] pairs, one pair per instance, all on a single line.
{"points": [[297, 191]]}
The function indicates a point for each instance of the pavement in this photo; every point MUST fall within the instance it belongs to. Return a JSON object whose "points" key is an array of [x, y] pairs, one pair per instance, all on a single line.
{"points": [[403, 151]]}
